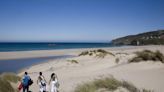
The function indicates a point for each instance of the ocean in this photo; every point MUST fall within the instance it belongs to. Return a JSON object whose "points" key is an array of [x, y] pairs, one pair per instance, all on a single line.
{"points": [[5, 47]]}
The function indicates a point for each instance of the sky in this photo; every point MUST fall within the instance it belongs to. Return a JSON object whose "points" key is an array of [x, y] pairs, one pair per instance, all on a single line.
{"points": [[77, 20]]}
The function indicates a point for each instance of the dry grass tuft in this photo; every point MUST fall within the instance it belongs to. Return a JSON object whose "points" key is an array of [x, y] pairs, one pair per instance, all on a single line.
{"points": [[73, 61], [5, 86], [11, 77], [5, 80], [109, 84], [100, 53], [148, 55]]}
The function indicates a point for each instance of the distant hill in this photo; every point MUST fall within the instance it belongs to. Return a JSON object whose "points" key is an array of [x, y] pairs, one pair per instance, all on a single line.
{"points": [[147, 38]]}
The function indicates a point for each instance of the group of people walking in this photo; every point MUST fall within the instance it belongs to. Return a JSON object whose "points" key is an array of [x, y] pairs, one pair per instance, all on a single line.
{"points": [[41, 81]]}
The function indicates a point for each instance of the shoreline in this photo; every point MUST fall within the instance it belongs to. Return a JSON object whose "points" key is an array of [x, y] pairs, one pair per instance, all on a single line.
{"points": [[47, 53]]}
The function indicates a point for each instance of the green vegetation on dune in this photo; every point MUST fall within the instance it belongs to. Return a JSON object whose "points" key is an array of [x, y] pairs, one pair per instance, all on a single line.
{"points": [[105, 52], [5, 80], [5, 86], [100, 53], [11, 77], [148, 55], [73, 61], [84, 53], [109, 84]]}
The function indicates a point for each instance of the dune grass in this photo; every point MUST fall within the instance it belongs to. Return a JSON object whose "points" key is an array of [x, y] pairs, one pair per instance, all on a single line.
{"points": [[84, 53], [110, 84], [5, 80], [122, 53], [148, 55], [100, 53], [104, 51], [73, 61], [5, 86], [11, 77]]}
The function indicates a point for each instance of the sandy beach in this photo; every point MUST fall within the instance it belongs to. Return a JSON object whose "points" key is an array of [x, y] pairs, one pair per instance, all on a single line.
{"points": [[148, 75], [91, 45]]}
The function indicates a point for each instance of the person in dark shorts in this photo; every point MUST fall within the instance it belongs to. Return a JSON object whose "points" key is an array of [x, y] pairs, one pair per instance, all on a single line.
{"points": [[25, 81]]}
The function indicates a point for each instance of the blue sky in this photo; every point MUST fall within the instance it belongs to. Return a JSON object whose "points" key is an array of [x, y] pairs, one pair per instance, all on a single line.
{"points": [[77, 20]]}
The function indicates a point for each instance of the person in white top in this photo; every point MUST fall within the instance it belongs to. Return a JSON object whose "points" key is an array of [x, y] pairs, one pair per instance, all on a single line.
{"points": [[54, 83], [42, 83]]}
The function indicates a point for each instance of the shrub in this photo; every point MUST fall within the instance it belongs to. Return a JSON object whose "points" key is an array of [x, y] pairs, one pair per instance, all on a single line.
{"points": [[99, 53], [107, 83], [122, 53], [5, 86], [73, 61], [110, 84], [129, 87], [159, 56], [148, 55], [83, 53], [87, 87], [101, 50], [105, 52], [90, 54], [11, 77], [144, 90]]}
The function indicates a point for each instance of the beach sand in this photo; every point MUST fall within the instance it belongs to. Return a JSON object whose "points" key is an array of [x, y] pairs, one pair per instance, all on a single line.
{"points": [[148, 75]]}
